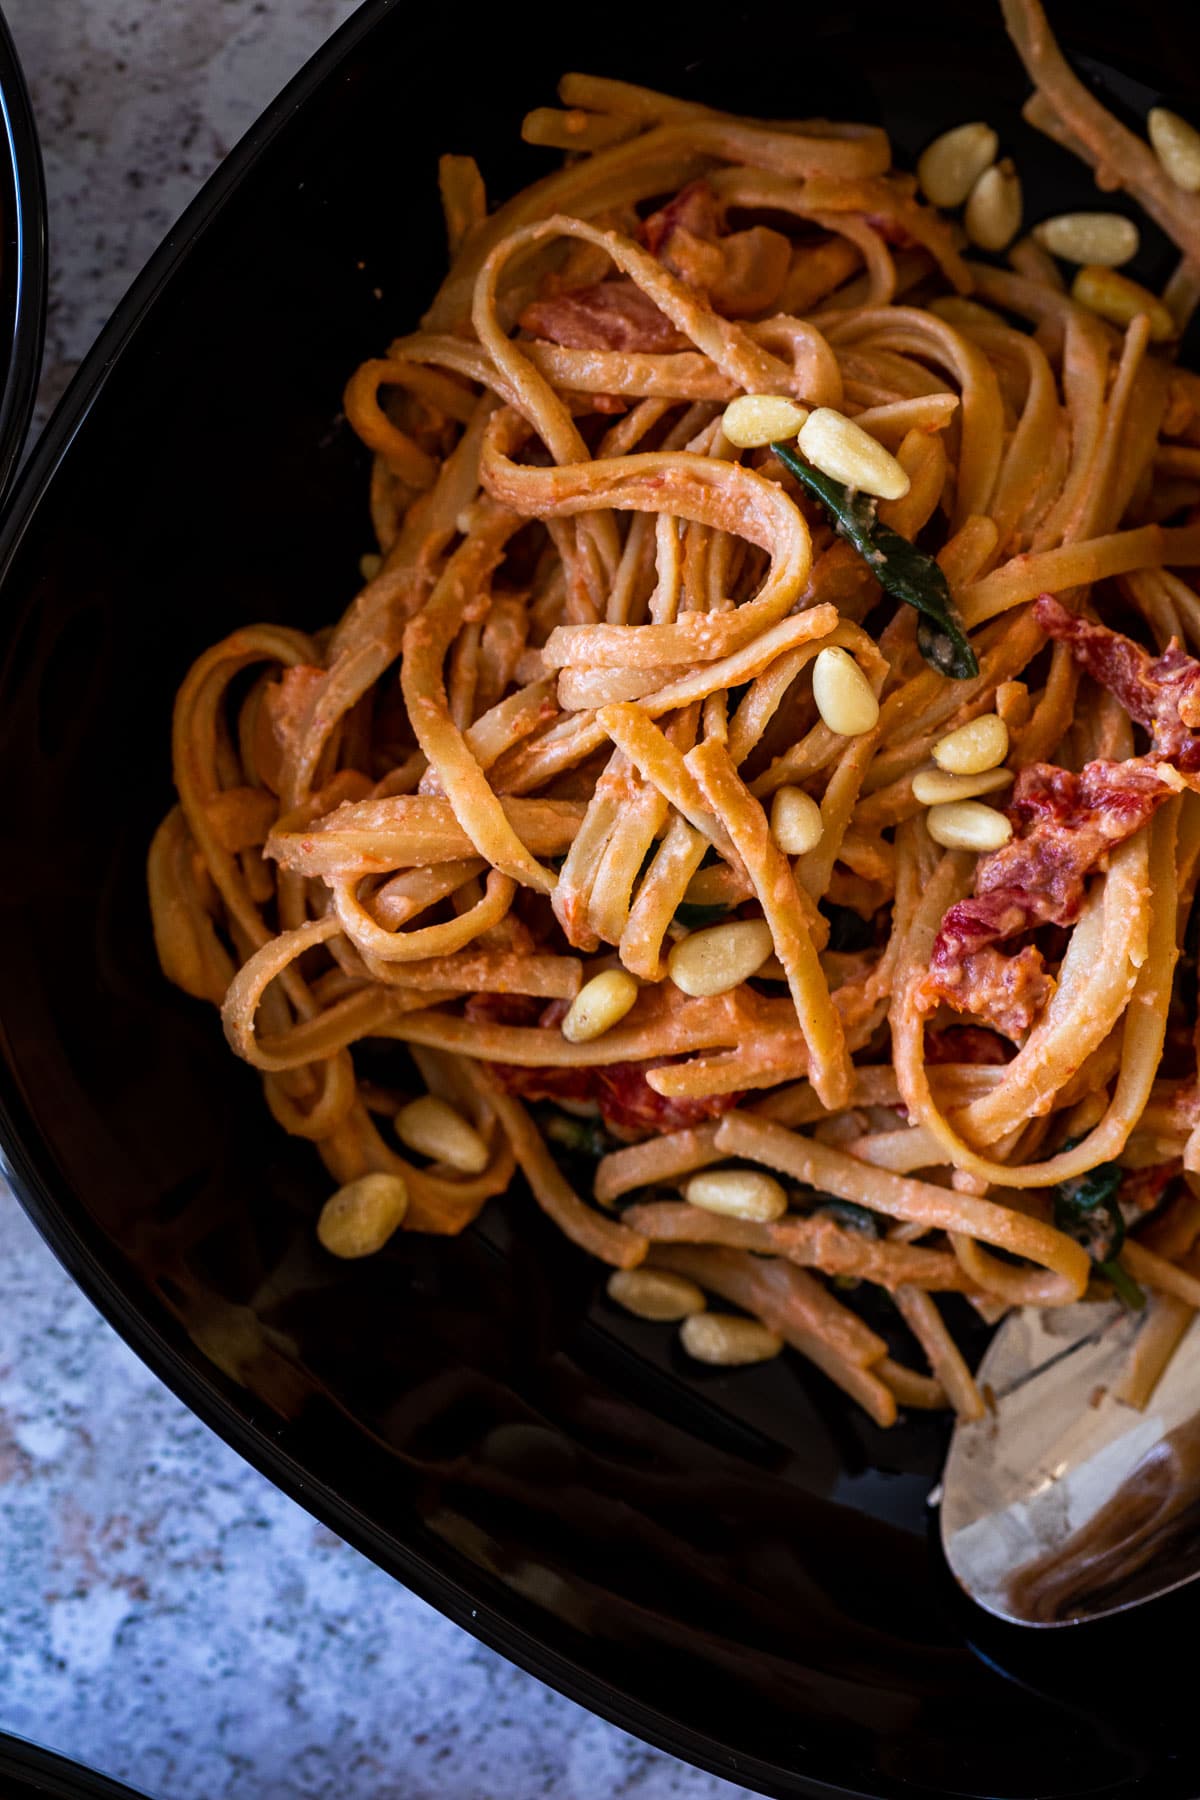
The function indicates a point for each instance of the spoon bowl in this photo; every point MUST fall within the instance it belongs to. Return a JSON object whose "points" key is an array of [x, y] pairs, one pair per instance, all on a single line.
{"points": [[1064, 1504]]}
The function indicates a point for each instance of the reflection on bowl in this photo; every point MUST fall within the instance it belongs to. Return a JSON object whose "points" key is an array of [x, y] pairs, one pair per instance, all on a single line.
{"points": [[22, 260]]}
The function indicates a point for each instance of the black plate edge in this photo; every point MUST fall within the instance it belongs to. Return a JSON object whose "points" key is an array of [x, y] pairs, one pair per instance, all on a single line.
{"points": [[431, 1583], [29, 240], [32, 1771]]}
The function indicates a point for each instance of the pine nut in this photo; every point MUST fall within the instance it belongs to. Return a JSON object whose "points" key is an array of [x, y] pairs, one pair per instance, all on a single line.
{"points": [[360, 1218], [720, 957], [993, 215], [757, 419], [433, 1128], [1108, 239], [1119, 300], [369, 565], [935, 787], [796, 822], [655, 1294], [948, 168], [843, 694], [1013, 704], [838, 447], [966, 825], [980, 744], [727, 1341], [1177, 147], [738, 1194], [600, 1004]]}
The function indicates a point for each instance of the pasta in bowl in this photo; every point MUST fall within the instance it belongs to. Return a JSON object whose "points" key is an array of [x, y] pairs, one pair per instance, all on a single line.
{"points": [[723, 775]]}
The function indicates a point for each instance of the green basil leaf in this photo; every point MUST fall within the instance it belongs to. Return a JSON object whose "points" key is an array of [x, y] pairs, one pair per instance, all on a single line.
{"points": [[694, 918], [1086, 1208], [901, 570], [1127, 1288], [848, 1215]]}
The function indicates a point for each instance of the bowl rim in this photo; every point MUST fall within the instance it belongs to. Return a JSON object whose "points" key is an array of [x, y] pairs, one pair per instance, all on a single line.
{"points": [[48, 1200], [33, 1771], [23, 187]]}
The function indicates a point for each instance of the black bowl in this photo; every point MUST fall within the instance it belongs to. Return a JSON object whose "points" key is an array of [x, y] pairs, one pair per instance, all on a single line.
{"points": [[736, 1566], [30, 1772], [22, 259]]}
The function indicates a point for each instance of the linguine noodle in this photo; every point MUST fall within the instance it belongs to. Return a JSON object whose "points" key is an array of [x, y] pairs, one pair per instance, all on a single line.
{"points": [[545, 739]]}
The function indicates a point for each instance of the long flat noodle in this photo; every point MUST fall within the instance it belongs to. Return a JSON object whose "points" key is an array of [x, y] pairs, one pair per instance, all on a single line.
{"points": [[189, 950], [485, 971], [723, 495], [464, 198], [783, 910], [591, 1231], [632, 840], [937, 1209], [945, 1359], [1164, 1277], [654, 163], [1076, 565], [674, 375], [1163, 1330], [760, 705], [1022, 472], [1108, 946], [660, 762], [875, 198], [843, 1330], [442, 939], [426, 641], [411, 831], [657, 1026], [814, 1243], [666, 688], [1145, 1028], [910, 330], [781, 1296], [911, 1388], [663, 890]]}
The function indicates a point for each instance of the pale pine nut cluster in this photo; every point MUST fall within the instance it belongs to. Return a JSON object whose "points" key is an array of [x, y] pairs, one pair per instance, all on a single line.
{"points": [[959, 168], [832, 443], [724, 1340], [966, 764], [949, 167]]}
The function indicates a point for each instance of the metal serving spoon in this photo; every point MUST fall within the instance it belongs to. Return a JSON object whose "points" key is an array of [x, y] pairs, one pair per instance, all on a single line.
{"points": [[1063, 1504]]}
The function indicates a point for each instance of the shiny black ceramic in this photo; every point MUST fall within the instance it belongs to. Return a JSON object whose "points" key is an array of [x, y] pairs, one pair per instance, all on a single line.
{"points": [[22, 259], [29, 1772], [734, 1565]]}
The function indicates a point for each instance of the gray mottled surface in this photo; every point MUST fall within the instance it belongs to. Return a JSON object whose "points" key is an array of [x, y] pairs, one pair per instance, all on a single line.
{"points": [[165, 1614]]}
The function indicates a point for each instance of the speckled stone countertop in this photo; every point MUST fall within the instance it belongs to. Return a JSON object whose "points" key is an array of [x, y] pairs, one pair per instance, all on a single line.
{"points": [[165, 1614]]}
